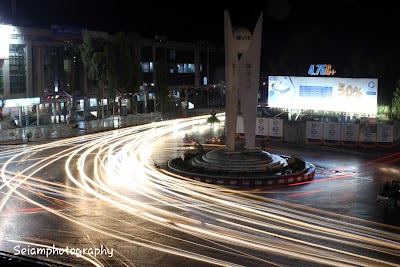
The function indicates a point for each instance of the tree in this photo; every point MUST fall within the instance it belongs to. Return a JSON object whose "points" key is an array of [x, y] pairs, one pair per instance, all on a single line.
{"points": [[161, 85], [137, 82], [213, 119], [110, 66], [121, 63], [95, 59], [395, 107], [121, 68]]}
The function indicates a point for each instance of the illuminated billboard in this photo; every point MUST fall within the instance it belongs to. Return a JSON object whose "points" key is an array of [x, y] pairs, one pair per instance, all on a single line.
{"points": [[352, 95]]}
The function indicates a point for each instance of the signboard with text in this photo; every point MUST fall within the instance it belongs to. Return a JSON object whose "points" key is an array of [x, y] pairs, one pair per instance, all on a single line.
{"points": [[368, 133], [314, 130], [354, 95], [275, 127], [384, 133], [331, 131], [262, 126], [349, 132], [271, 127]]}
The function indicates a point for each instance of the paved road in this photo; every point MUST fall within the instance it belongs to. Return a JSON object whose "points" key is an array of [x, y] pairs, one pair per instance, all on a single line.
{"points": [[341, 198]]}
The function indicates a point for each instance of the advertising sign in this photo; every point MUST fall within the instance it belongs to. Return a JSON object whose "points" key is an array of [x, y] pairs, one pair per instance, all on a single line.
{"points": [[384, 133], [368, 133], [275, 127], [271, 127], [262, 126], [331, 131], [350, 132], [21, 102], [356, 95], [314, 130], [66, 31], [321, 69]]}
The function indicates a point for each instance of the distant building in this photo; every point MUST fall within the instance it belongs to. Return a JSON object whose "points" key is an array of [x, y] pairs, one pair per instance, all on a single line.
{"points": [[41, 72]]}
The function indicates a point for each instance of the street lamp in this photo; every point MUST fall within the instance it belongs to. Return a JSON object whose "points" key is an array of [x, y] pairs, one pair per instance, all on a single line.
{"points": [[119, 105], [69, 106]]}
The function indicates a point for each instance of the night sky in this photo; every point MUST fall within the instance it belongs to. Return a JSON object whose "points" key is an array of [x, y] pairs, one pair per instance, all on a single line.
{"points": [[358, 38]]}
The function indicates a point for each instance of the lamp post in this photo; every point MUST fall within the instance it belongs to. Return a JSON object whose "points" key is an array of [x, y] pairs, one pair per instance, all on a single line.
{"points": [[221, 93], [119, 106], [144, 92], [69, 106]]}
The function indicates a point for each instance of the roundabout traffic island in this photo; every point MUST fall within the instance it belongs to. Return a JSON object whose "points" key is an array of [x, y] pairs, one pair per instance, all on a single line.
{"points": [[254, 167]]}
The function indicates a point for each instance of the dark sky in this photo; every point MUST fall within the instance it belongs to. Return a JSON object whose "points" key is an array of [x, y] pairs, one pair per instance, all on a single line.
{"points": [[204, 19], [297, 33]]}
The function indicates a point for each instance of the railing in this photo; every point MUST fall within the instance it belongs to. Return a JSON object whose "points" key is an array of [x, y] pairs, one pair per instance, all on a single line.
{"points": [[54, 131]]}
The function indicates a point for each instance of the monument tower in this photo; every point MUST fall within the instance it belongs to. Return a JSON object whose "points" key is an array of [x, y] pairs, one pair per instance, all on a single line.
{"points": [[232, 165], [242, 71]]}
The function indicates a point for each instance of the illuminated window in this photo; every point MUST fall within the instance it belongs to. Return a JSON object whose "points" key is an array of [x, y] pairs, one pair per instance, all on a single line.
{"points": [[189, 68], [17, 68], [147, 67], [185, 68]]}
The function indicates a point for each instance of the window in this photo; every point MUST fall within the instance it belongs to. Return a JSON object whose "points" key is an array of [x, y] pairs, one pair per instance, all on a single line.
{"points": [[173, 68], [17, 68], [172, 54], [189, 68], [59, 68], [147, 67], [185, 68], [19, 37]]}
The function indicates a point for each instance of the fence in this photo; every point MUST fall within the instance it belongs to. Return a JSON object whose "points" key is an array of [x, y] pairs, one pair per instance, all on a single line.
{"points": [[54, 131]]}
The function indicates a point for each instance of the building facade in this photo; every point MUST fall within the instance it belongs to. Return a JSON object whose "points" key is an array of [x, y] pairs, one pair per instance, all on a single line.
{"points": [[43, 79]]}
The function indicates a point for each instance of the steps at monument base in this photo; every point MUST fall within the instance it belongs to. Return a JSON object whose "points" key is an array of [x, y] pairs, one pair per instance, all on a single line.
{"points": [[256, 161]]}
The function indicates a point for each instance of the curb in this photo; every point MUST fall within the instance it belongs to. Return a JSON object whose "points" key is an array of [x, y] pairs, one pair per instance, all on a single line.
{"points": [[306, 175]]}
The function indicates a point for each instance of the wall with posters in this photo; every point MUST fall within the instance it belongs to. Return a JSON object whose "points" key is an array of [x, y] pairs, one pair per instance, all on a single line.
{"points": [[314, 130], [323, 133], [266, 128], [349, 134], [333, 133]]}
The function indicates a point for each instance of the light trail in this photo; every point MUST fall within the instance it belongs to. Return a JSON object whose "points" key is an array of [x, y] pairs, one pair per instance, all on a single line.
{"points": [[113, 173]]}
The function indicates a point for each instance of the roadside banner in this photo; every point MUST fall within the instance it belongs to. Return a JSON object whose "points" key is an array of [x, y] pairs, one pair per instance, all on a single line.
{"points": [[384, 135], [368, 133], [331, 133], [262, 128], [314, 131], [275, 129], [349, 134]]}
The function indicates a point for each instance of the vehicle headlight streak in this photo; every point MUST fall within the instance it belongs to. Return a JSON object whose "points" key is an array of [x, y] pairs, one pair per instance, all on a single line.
{"points": [[221, 219]]}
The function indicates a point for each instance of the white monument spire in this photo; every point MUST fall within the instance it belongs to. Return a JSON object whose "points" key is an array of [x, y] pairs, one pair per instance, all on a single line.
{"points": [[242, 79]]}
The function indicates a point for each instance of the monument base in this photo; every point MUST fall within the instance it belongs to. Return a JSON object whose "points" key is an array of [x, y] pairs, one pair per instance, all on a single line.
{"points": [[239, 161], [242, 166]]}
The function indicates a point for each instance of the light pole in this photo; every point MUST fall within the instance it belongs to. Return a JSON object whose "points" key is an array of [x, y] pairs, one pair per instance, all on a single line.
{"points": [[69, 106], [119, 106], [144, 91]]}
